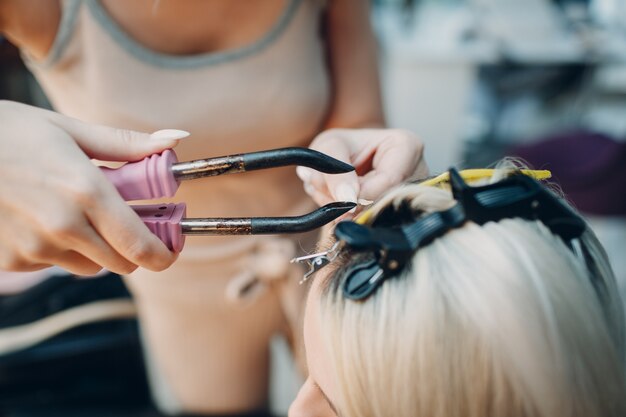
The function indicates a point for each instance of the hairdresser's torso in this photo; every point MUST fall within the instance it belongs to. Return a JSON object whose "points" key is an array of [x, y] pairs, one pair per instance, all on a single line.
{"points": [[178, 28], [239, 75]]}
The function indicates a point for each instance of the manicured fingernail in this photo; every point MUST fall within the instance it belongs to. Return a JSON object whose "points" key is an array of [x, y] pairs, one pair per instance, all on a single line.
{"points": [[304, 173], [345, 192], [169, 134], [364, 202]]}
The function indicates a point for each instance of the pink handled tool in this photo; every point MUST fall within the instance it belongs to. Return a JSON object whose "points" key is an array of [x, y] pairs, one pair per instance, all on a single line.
{"points": [[150, 178], [160, 175], [168, 222]]}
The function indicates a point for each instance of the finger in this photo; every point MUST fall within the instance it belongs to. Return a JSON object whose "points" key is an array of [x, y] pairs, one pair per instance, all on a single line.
{"points": [[76, 263], [124, 231], [43, 250], [93, 248], [316, 187], [319, 197], [64, 227], [342, 187], [314, 182], [375, 183], [36, 255], [304, 173], [18, 264], [396, 159], [111, 144]]}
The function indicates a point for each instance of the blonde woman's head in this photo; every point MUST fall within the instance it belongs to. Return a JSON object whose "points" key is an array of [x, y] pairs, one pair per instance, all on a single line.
{"points": [[499, 320]]}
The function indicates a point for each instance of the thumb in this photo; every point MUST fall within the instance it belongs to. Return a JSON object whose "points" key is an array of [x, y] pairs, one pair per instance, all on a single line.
{"points": [[342, 187], [111, 144]]}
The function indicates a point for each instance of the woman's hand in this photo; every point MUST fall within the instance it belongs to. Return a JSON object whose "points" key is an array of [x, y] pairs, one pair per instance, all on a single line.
{"points": [[382, 158], [57, 208]]}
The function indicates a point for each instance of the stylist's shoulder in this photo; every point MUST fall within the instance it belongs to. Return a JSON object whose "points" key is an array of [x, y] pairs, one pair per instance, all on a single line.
{"points": [[31, 25]]}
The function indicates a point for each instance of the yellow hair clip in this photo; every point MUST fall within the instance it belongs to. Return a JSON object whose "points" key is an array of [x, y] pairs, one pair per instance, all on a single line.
{"points": [[469, 175]]}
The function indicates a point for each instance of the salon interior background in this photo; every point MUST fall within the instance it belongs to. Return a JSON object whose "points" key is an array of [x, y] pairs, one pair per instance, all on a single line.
{"points": [[478, 79]]}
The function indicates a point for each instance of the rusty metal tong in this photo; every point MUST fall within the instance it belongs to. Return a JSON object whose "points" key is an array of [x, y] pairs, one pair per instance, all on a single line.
{"points": [[159, 176]]}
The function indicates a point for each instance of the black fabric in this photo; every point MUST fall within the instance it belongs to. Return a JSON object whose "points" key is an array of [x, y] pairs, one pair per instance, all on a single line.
{"points": [[94, 370], [93, 364], [112, 412], [56, 294]]}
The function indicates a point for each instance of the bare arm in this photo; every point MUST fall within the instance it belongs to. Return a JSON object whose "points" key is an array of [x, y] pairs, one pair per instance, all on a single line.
{"points": [[354, 66], [383, 158], [3, 15]]}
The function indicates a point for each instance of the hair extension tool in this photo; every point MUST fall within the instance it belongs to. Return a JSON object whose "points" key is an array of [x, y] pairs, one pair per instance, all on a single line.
{"points": [[160, 176]]}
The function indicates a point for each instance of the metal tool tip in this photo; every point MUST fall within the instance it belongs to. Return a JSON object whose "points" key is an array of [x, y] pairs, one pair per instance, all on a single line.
{"points": [[299, 224], [341, 167], [294, 156], [318, 161], [330, 212], [340, 207]]}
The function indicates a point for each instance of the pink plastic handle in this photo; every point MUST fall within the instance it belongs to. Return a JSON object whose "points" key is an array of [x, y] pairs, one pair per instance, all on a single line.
{"points": [[147, 179], [164, 221]]}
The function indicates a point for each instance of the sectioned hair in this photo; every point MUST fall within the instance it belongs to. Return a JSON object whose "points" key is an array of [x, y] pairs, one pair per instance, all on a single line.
{"points": [[487, 321]]}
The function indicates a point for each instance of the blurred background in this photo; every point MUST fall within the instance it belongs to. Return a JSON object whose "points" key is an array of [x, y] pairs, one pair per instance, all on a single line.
{"points": [[477, 80], [544, 80]]}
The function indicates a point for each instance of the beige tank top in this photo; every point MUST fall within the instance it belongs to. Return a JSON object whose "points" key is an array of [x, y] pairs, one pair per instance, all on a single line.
{"points": [[272, 93]]}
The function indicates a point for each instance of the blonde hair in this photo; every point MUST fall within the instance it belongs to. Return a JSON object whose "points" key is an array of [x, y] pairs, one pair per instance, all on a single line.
{"points": [[499, 320]]}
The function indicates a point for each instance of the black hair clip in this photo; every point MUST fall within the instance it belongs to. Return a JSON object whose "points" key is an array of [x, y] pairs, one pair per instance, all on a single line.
{"points": [[517, 196], [393, 247]]}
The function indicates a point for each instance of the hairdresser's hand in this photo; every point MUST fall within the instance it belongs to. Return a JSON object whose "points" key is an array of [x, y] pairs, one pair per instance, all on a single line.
{"points": [[382, 158], [56, 208]]}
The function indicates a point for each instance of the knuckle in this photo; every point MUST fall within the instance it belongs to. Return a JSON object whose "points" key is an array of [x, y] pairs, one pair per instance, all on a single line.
{"points": [[408, 138], [64, 227], [124, 136], [394, 179], [85, 191], [140, 252]]}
